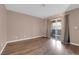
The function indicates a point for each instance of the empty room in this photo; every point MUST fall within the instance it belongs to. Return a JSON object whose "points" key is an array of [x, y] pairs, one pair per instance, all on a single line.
{"points": [[39, 29]]}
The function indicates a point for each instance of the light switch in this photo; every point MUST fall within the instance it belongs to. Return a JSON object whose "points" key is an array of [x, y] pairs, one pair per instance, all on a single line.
{"points": [[76, 27]]}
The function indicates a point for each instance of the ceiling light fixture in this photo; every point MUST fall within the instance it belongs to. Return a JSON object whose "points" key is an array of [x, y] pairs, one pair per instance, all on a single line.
{"points": [[43, 5]]}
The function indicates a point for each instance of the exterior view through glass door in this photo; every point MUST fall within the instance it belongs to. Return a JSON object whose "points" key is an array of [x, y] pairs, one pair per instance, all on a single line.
{"points": [[56, 29]]}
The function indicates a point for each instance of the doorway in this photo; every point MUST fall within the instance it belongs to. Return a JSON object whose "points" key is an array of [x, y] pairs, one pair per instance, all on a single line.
{"points": [[56, 29]]}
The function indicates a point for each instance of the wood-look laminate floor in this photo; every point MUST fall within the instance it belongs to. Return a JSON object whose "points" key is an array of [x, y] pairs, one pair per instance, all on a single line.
{"points": [[40, 46]]}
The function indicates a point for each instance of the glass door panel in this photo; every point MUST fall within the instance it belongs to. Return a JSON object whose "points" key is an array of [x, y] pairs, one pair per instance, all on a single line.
{"points": [[56, 29]]}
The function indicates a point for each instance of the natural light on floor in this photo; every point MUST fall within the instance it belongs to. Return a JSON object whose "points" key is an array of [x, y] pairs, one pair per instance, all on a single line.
{"points": [[56, 43]]}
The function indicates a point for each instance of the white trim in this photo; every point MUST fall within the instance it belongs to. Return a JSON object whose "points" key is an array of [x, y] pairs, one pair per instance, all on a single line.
{"points": [[16, 41], [3, 48], [23, 39], [74, 44]]}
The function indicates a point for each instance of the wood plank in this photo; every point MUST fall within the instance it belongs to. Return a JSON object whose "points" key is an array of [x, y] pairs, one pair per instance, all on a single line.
{"points": [[40, 46]]}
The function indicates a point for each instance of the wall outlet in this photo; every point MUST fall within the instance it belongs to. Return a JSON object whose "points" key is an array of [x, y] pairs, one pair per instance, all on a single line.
{"points": [[16, 37], [24, 36], [1, 44]]}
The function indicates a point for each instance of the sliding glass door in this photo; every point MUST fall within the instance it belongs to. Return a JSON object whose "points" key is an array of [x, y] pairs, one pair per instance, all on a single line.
{"points": [[56, 29]]}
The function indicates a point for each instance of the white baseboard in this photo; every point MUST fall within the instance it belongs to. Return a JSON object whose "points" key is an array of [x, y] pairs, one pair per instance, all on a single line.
{"points": [[3, 48], [16, 41], [74, 44], [23, 39]]}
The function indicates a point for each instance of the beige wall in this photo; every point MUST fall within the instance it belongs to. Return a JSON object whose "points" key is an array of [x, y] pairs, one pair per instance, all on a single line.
{"points": [[24, 26], [49, 28], [74, 23], [3, 27]]}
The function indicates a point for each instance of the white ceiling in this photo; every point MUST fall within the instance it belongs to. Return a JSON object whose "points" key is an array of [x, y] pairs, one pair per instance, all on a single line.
{"points": [[40, 10]]}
